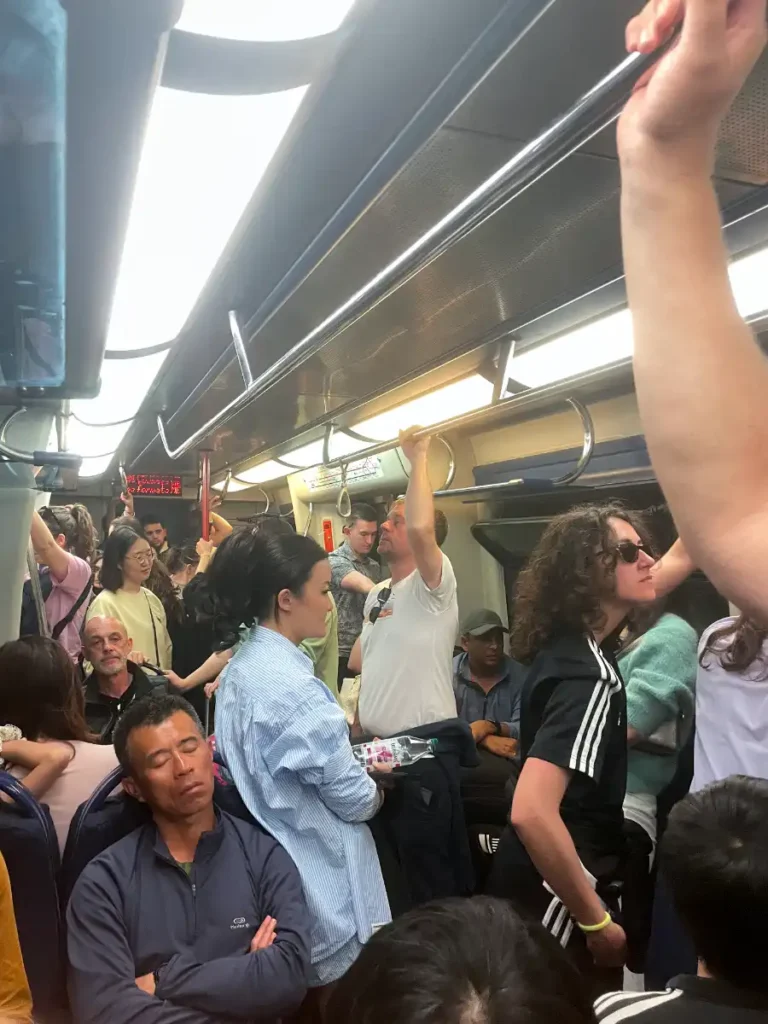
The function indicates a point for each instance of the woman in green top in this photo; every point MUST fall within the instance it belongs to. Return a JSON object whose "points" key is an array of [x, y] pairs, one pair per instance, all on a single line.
{"points": [[658, 666]]}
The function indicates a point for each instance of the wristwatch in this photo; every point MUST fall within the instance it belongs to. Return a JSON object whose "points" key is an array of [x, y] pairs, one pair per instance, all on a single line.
{"points": [[497, 727]]}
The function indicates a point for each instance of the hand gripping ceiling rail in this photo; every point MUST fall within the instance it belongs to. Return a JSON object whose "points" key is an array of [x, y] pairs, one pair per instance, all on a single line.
{"points": [[588, 116]]}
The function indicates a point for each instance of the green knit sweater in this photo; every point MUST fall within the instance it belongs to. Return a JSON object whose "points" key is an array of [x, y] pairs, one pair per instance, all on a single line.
{"points": [[659, 672]]}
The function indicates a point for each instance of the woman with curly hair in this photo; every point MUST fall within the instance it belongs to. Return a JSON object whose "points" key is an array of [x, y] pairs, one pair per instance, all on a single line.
{"points": [[562, 852]]}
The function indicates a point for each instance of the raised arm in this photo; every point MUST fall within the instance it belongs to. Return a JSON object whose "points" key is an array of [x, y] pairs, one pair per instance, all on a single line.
{"points": [[44, 762], [102, 975], [701, 379], [672, 569], [420, 510], [47, 551]]}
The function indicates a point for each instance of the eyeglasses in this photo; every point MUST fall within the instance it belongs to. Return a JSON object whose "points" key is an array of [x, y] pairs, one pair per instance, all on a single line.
{"points": [[384, 596], [145, 558], [629, 552]]}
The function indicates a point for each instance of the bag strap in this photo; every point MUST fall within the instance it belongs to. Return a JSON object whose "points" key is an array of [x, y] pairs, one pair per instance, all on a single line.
{"points": [[60, 626], [37, 593], [154, 628]]}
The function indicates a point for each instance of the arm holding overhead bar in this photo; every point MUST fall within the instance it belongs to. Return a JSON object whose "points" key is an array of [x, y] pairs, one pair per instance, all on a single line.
{"points": [[672, 569], [701, 379], [420, 510]]}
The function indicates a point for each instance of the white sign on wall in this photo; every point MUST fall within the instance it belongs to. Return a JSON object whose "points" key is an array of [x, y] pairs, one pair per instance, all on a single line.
{"points": [[363, 470]]}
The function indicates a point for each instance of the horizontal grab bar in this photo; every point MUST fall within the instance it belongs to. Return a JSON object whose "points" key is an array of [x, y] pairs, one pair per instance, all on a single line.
{"points": [[588, 116]]}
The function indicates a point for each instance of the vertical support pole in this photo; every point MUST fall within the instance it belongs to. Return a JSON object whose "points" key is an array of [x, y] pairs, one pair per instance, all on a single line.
{"points": [[205, 492]]}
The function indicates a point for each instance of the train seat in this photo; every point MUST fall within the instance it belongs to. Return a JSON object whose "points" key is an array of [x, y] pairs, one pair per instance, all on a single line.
{"points": [[28, 844]]}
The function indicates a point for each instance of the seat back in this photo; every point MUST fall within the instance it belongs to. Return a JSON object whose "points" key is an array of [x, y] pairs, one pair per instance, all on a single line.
{"points": [[30, 849]]}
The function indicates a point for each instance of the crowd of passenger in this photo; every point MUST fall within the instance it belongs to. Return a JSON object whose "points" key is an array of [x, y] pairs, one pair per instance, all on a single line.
{"points": [[266, 874]]}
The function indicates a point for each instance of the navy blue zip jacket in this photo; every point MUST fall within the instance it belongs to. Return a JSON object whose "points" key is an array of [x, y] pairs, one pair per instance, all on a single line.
{"points": [[134, 910]]}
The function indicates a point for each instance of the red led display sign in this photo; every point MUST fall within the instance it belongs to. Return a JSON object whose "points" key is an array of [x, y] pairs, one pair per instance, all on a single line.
{"points": [[160, 485]]}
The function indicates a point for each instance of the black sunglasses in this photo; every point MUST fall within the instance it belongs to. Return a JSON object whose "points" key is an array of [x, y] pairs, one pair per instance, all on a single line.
{"points": [[629, 552], [384, 596]]}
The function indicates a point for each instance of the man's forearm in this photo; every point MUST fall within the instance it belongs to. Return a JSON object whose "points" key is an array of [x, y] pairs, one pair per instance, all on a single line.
{"points": [[265, 985], [551, 849], [419, 503], [700, 377]]}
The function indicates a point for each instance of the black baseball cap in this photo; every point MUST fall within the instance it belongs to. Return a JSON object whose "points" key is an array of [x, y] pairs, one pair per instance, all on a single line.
{"points": [[482, 621]]}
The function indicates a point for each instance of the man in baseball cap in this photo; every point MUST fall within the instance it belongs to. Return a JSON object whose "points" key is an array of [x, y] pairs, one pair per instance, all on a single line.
{"points": [[488, 684]]}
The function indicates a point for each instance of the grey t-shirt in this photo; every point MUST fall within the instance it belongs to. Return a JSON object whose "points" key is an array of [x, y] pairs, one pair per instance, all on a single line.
{"points": [[349, 603]]}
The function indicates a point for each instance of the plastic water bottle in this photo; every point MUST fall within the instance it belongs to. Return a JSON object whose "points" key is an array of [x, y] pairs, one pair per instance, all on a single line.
{"points": [[398, 751]]}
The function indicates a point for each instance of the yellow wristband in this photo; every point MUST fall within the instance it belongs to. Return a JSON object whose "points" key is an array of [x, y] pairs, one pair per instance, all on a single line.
{"points": [[590, 929]]}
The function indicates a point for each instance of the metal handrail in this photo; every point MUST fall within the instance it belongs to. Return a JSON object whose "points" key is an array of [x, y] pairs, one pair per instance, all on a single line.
{"points": [[596, 109], [64, 460], [587, 450]]}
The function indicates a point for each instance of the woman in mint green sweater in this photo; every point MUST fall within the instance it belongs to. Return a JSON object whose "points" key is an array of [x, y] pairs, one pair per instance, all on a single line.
{"points": [[659, 671]]}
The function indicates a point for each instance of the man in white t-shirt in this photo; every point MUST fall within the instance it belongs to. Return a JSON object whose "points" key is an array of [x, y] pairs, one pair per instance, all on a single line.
{"points": [[411, 620]]}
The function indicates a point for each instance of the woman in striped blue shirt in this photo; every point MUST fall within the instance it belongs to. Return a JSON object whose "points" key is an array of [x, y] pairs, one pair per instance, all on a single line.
{"points": [[286, 741]]}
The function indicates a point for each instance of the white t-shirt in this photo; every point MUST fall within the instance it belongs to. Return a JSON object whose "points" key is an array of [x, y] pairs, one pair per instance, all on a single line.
{"points": [[731, 720], [407, 677]]}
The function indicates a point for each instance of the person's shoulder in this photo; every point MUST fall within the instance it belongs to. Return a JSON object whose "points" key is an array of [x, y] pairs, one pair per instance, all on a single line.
{"points": [[78, 570], [153, 599], [97, 754], [104, 600], [113, 868], [620, 1006], [674, 626]]}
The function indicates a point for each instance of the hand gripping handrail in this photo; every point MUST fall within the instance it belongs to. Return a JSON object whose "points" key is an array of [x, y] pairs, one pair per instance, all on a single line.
{"points": [[589, 115]]}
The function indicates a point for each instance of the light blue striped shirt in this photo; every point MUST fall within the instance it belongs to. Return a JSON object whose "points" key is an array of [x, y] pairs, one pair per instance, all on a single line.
{"points": [[286, 743]]}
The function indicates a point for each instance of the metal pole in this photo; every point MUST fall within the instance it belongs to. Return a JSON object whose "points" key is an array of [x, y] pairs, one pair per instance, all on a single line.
{"points": [[205, 492], [587, 117]]}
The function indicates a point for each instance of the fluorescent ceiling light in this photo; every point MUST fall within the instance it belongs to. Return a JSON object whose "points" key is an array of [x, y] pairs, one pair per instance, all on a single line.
{"points": [[596, 344], [94, 466], [124, 383], [234, 486], [203, 157], [456, 399], [306, 456], [749, 280], [263, 473], [266, 20], [609, 339]]}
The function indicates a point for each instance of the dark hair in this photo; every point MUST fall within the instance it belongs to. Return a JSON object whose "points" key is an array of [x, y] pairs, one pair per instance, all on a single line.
{"points": [[441, 523], [148, 519], [559, 587], [178, 559], [360, 512], [462, 961], [152, 710], [74, 521], [250, 569], [713, 855], [272, 526], [131, 522], [738, 646], [159, 583], [116, 547], [39, 690]]}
